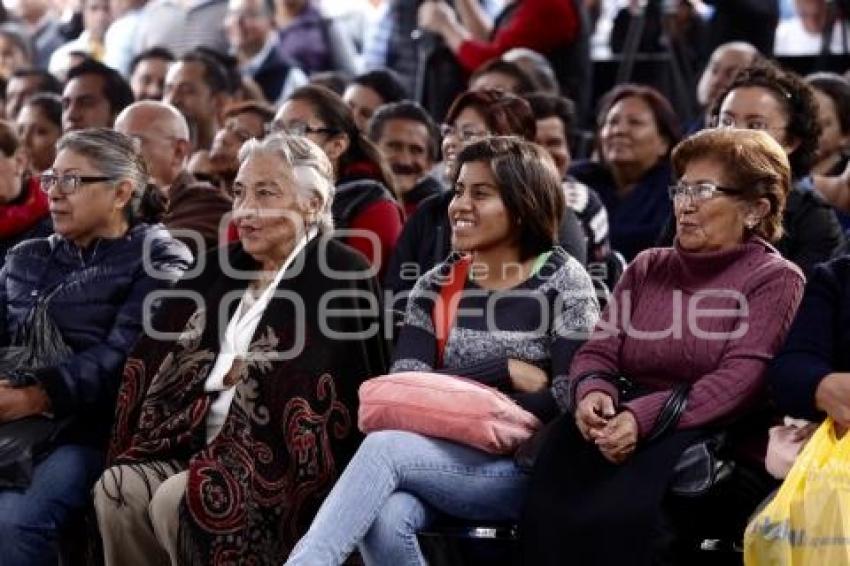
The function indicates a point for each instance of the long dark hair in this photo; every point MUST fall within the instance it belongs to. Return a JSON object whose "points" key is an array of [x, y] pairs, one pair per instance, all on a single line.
{"points": [[337, 116]]}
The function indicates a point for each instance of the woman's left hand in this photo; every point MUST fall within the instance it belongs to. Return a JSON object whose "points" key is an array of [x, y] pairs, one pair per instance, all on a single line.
{"points": [[619, 438], [19, 402]]}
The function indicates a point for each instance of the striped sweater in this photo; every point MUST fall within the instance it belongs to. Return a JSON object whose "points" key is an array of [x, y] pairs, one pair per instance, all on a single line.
{"points": [[541, 321]]}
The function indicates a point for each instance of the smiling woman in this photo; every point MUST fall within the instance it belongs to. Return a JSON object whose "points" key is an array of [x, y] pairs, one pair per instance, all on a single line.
{"points": [[732, 185], [248, 394], [636, 130], [619, 458], [539, 302]]}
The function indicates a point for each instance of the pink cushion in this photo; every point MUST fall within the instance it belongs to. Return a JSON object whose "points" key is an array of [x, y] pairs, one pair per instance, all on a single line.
{"points": [[445, 406]]}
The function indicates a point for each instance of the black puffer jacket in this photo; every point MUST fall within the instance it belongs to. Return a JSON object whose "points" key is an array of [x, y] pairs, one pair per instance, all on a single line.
{"points": [[97, 307]]}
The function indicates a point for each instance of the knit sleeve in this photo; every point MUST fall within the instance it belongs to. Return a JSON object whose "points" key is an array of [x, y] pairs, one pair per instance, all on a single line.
{"points": [[601, 353], [416, 348], [531, 27], [576, 314], [739, 378], [809, 352]]}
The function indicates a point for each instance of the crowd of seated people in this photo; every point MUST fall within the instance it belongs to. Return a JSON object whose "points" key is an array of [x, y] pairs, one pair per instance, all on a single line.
{"points": [[216, 224]]}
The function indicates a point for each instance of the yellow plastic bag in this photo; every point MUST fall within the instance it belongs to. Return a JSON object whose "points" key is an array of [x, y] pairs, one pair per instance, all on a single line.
{"points": [[808, 521]]}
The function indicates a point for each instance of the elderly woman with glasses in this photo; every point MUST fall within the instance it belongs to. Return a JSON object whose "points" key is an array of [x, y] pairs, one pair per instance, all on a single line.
{"points": [[86, 286], [238, 410], [678, 357]]}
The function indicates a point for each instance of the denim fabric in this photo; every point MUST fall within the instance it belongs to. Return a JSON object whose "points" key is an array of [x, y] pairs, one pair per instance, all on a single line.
{"points": [[392, 488], [31, 520]]}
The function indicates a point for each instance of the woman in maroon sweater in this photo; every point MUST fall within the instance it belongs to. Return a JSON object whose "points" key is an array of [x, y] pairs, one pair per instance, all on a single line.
{"points": [[365, 198], [699, 321]]}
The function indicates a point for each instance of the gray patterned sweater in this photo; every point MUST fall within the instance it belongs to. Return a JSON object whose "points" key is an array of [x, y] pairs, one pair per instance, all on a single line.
{"points": [[541, 321]]}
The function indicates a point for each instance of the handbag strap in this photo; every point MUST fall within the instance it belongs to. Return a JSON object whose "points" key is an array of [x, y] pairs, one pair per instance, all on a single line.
{"points": [[445, 308], [671, 411]]}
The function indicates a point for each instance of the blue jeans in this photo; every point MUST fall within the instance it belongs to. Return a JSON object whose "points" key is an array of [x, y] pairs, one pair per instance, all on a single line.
{"points": [[31, 519], [394, 486]]}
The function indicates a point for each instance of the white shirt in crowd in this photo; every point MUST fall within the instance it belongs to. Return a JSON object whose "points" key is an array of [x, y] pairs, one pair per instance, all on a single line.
{"points": [[793, 39], [237, 341]]}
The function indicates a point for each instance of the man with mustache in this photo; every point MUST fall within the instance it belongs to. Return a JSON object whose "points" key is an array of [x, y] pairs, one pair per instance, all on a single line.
{"points": [[409, 139]]}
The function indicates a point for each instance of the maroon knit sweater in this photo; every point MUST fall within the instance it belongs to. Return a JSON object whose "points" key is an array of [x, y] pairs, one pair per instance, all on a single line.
{"points": [[720, 344]]}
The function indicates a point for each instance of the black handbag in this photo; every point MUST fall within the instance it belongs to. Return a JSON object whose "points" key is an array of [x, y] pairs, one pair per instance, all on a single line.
{"points": [[700, 467], [38, 343], [21, 441]]}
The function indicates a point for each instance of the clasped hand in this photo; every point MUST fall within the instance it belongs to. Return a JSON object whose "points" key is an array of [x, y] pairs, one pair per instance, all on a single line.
{"points": [[614, 434]]}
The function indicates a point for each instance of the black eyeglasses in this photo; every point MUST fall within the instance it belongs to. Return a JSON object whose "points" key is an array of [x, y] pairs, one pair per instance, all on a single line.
{"points": [[300, 129], [70, 183]]}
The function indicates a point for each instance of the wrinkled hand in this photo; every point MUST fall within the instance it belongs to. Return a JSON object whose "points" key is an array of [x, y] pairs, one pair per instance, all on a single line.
{"points": [[19, 402], [436, 17], [619, 438], [833, 397], [525, 377], [593, 413]]}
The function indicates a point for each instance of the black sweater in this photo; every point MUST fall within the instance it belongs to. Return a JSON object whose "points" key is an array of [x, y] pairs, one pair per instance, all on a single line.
{"points": [[818, 343]]}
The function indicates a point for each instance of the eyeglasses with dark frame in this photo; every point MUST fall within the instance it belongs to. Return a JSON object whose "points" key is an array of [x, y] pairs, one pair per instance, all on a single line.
{"points": [[300, 129], [699, 192], [70, 183]]}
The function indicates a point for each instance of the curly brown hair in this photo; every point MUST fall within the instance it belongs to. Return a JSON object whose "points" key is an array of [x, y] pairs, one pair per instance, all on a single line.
{"points": [[799, 102]]}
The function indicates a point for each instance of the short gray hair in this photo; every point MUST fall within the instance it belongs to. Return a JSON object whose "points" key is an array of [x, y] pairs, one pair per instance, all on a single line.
{"points": [[114, 155], [311, 168]]}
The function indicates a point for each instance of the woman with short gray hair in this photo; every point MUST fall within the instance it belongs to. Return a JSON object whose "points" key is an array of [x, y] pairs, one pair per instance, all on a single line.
{"points": [[86, 287], [116, 157], [248, 405], [310, 165]]}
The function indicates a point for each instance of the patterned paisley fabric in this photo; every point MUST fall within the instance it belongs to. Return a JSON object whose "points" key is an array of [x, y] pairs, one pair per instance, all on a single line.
{"points": [[253, 491]]}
